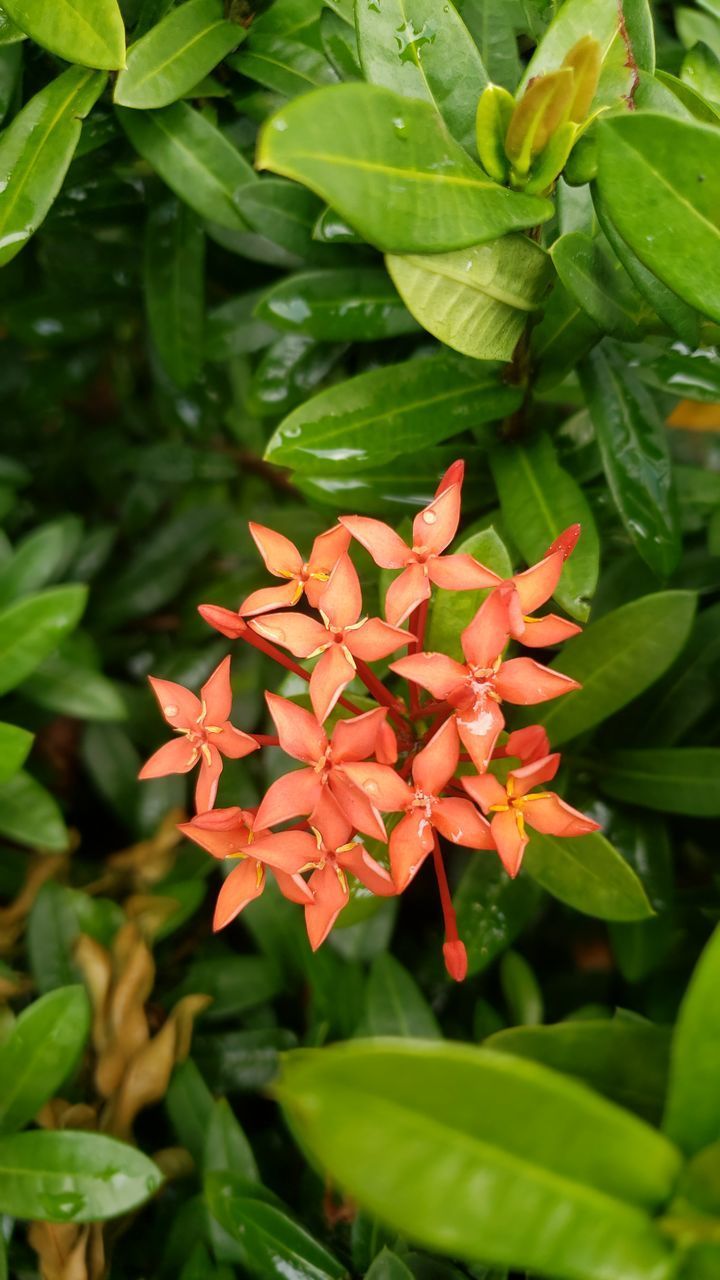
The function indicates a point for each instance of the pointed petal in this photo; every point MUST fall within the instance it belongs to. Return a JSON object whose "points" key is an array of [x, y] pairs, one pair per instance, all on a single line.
{"points": [[533, 774], [528, 744], [294, 888], [216, 694], [331, 676], [556, 818], [436, 525], [295, 795], [479, 727], [329, 898], [509, 842], [173, 757], [385, 546], [207, 781], [375, 639], [459, 821], [537, 583], [243, 884], [341, 601], [223, 620], [525, 682], [299, 732], [367, 870], [461, 573], [327, 549], [567, 541], [355, 739], [550, 629], [233, 743], [385, 789], [486, 790], [294, 631], [268, 599], [222, 833], [410, 843], [357, 807], [435, 672], [434, 766], [484, 640], [455, 474], [179, 706], [288, 851], [386, 747], [335, 829], [409, 589], [281, 556]]}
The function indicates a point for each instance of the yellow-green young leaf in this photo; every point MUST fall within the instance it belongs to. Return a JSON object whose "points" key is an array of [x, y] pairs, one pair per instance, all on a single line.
{"points": [[544, 105], [485, 1156], [39, 1054], [475, 300], [616, 659], [692, 1113], [587, 873], [576, 19], [73, 1176], [388, 165], [36, 150], [9, 32], [494, 110], [423, 49], [175, 55], [671, 780], [90, 32], [15, 744], [676, 165]]}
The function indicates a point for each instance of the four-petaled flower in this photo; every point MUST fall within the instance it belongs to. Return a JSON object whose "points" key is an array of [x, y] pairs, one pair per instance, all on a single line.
{"points": [[283, 560], [514, 805], [433, 530], [339, 639], [207, 734], [337, 855]]}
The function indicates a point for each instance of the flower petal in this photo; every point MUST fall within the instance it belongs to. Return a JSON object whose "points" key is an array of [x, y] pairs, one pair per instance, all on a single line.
{"points": [[294, 888], [223, 833], [331, 676], [385, 546], [410, 843], [537, 771], [288, 851], [435, 672], [434, 766], [179, 706], [384, 788], [386, 747], [299, 732], [269, 598], [459, 821], [294, 631], [486, 790], [355, 739], [216, 694], [484, 640], [509, 841], [354, 804], [550, 629], [281, 556], [334, 828], [526, 682], [225, 621], [329, 898], [243, 884], [455, 474], [409, 589], [556, 818], [375, 639], [207, 780], [461, 573], [436, 525], [327, 549], [294, 795], [367, 870], [528, 744], [341, 601], [173, 757], [479, 727], [233, 743], [567, 541], [537, 583]]}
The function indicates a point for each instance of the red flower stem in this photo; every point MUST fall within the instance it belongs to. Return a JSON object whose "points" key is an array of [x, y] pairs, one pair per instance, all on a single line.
{"points": [[429, 709], [258, 642], [440, 719], [448, 910], [265, 739], [404, 770], [419, 621], [380, 693]]}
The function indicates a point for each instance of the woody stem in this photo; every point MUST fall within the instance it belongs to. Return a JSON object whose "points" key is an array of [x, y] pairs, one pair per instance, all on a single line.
{"points": [[380, 693], [448, 910]]}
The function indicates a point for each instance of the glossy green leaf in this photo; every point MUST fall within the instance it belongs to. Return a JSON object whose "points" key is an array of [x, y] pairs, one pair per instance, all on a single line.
{"points": [[32, 628], [616, 659], [69, 688], [233, 330], [636, 456], [41, 1051], [641, 946], [688, 690], [285, 215], [225, 1146], [626, 1061], [599, 283], [492, 910], [671, 780], [9, 32], [236, 983], [578, 18], [491, 24], [395, 1005], [15, 743], [539, 499], [175, 55], [475, 300], [355, 304], [288, 373], [286, 66], [90, 32], [36, 150], [422, 49], [564, 335], [701, 71], [190, 1107], [521, 990], [271, 1242], [452, 611], [11, 63], [388, 165], [30, 815], [582, 1169], [692, 1115], [193, 157], [388, 1266], [693, 27], [73, 1176], [677, 166], [39, 558], [388, 488], [175, 289], [587, 873], [397, 409], [340, 46], [59, 914]]}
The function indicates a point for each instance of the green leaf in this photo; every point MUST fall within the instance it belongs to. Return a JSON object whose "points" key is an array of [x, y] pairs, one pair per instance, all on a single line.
{"points": [[288, 371], [491, 909], [388, 1266], [490, 23], [30, 815], [9, 33], [577, 18], [452, 1118], [521, 990], [354, 304], [90, 32], [626, 1061], [15, 743], [32, 628], [72, 1177], [36, 150], [694, 27], [232, 329], [475, 300], [422, 49], [271, 1243], [452, 611], [599, 283], [635, 454], [289, 67], [587, 873], [65, 686], [616, 659], [640, 946], [564, 335], [692, 1114], [539, 499], [397, 409], [671, 780], [236, 983], [58, 916], [190, 1106], [701, 71], [38, 558], [40, 1053], [395, 1005], [390, 168], [193, 157], [175, 55], [339, 45], [225, 1146], [688, 690], [676, 164], [175, 289]]}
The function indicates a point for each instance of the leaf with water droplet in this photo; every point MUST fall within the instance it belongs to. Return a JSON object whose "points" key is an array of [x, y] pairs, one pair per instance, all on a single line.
{"points": [[72, 1176]]}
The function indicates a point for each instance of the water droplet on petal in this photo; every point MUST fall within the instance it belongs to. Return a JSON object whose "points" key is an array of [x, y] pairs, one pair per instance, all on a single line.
{"points": [[429, 517], [171, 710], [371, 787]]}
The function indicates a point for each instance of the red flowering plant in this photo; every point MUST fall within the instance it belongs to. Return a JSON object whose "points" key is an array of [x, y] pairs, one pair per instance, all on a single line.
{"points": [[430, 756]]}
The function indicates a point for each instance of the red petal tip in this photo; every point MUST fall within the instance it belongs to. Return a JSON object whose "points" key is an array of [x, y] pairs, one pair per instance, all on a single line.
{"points": [[567, 541], [456, 961]]}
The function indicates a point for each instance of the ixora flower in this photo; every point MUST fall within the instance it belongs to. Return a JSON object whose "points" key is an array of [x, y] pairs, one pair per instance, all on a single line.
{"points": [[513, 805], [206, 733], [401, 756]]}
